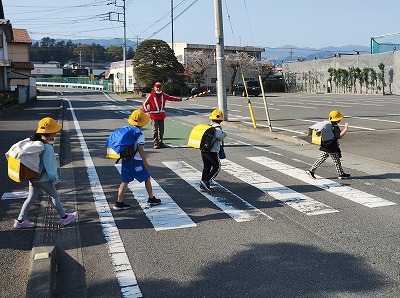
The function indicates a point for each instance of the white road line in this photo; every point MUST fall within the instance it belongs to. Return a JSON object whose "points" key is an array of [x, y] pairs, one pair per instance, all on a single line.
{"points": [[344, 191], [278, 191], [122, 266], [279, 128], [360, 127], [15, 195], [221, 195], [373, 119], [166, 216]]}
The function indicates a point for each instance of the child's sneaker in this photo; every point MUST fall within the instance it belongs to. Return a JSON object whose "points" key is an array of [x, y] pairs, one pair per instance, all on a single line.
{"points": [[121, 206], [154, 201], [204, 185], [344, 176], [70, 217], [311, 174], [26, 224]]}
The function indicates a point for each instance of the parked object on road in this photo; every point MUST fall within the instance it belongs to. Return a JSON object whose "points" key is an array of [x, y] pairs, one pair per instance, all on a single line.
{"points": [[136, 166], [49, 181], [197, 90], [252, 87], [331, 146]]}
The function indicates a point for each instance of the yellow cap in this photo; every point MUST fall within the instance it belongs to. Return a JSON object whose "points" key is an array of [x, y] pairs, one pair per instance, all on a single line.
{"points": [[216, 115], [138, 118], [335, 116], [48, 125]]}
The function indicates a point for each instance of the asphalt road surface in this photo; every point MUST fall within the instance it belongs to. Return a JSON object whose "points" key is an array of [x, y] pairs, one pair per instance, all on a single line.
{"points": [[267, 229]]}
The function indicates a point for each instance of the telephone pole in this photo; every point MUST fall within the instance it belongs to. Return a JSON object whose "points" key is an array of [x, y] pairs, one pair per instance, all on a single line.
{"points": [[220, 57], [124, 42]]}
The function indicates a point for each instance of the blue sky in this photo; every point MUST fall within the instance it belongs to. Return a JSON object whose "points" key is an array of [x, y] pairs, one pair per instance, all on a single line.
{"points": [[264, 23]]}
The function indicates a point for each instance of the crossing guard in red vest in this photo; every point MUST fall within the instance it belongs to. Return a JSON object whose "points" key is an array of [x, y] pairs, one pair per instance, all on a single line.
{"points": [[154, 106]]}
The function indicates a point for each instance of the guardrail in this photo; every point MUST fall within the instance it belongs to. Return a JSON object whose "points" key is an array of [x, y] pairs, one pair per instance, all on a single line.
{"points": [[70, 85]]}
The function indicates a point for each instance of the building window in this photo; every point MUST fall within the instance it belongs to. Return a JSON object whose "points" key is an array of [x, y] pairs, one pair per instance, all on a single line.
{"points": [[213, 80], [1, 40]]}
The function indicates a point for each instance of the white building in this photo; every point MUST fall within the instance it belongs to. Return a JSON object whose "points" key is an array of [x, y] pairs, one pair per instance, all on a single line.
{"points": [[116, 71]]}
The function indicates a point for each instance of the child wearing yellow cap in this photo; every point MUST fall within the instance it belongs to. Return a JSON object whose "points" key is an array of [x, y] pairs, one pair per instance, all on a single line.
{"points": [[211, 160], [49, 180], [136, 167], [331, 147]]}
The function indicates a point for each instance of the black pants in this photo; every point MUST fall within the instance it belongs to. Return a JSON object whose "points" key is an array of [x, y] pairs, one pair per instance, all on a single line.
{"points": [[211, 165], [158, 131]]}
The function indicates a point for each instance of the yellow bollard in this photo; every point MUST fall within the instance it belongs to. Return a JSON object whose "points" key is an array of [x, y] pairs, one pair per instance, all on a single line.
{"points": [[249, 103]]}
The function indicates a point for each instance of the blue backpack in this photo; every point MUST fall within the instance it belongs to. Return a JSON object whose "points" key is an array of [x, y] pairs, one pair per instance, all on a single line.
{"points": [[122, 143]]}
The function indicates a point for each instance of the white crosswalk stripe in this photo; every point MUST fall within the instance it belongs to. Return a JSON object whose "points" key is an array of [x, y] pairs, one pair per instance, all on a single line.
{"points": [[223, 197], [344, 191], [165, 216], [280, 192]]}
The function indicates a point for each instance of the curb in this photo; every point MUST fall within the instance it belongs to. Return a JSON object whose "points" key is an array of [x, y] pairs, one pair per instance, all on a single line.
{"points": [[41, 279]]}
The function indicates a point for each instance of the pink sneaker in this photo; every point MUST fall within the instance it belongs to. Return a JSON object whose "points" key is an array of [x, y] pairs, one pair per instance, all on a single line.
{"points": [[26, 224], [71, 217]]}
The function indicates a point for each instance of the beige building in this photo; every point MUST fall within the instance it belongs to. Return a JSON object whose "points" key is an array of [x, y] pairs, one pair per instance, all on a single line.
{"points": [[210, 77], [18, 53]]}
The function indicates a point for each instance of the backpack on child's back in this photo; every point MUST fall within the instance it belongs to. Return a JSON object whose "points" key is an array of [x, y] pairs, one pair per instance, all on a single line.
{"points": [[122, 143], [321, 132], [23, 160], [202, 137]]}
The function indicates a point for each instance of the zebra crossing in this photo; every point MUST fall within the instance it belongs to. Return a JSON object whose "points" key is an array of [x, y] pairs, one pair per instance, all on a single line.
{"points": [[169, 215]]}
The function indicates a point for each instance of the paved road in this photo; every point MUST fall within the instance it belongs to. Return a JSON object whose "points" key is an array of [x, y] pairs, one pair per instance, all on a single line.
{"points": [[266, 231]]}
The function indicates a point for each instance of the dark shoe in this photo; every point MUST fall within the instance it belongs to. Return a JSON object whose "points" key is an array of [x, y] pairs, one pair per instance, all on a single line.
{"points": [[162, 145], [156, 146], [344, 176], [311, 174], [121, 206], [205, 186], [154, 201]]}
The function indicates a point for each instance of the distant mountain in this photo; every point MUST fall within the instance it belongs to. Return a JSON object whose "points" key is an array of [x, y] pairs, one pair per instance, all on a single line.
{"points": [[103, 42], [293, 53]]}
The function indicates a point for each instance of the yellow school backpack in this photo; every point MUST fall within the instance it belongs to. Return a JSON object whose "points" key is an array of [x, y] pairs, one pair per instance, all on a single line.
{"points": [[23, 160], [202, 137]]}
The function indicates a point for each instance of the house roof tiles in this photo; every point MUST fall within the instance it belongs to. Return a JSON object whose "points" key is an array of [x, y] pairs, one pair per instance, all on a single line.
{"points": [[21, 35]]}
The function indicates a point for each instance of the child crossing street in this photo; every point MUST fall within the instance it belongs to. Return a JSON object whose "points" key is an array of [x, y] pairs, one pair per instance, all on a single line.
{"points": [[210, 158], [49, 180], [331, 147], [137, 166]]}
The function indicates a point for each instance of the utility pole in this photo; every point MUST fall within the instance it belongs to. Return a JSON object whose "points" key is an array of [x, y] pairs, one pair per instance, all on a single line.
{"points": [[124, 42], [220, 57], [172, 24], [124, 50]]}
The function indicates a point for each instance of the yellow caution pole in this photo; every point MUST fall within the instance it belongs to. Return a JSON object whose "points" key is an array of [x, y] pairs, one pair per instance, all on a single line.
{"points": [[249, 103], [265, 103]]}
